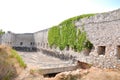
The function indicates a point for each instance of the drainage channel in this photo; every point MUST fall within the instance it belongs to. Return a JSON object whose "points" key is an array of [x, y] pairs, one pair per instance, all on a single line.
{"points": [[50, 75]]}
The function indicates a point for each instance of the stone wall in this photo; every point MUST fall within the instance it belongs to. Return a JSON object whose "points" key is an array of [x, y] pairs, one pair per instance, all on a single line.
{"points": [[8, 39], [103, 30], [24, 40], [41, 39]]}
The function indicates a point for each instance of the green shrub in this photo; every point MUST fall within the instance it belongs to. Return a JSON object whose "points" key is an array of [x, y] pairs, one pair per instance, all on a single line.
{"points": [[7, 68]]}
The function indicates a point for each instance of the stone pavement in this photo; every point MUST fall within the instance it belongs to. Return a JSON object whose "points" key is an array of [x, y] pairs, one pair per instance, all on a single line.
{"points": [[40, 60]]}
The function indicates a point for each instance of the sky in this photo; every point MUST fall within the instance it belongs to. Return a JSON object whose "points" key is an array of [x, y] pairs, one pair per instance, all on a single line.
{"points": [[28, 16]]}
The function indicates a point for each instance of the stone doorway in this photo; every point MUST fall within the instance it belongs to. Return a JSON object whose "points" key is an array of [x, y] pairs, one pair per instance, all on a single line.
{"points": [[118, 52], [101, 50]]}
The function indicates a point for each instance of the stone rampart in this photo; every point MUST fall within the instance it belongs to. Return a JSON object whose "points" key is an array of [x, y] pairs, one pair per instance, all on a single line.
{"points": [[41, 40], [103, 31]]}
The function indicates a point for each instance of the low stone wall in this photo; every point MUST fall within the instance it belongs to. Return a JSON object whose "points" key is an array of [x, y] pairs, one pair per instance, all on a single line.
{"points": [[25, 49], [101, 61], [61, 55]]}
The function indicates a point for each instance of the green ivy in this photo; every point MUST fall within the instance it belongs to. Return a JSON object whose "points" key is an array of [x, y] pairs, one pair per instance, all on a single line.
{"points": [[81, 41], [67, 35], [54, 36]]}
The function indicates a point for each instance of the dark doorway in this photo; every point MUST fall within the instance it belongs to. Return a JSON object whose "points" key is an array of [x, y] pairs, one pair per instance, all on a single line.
{"points": [[21, 43], [101, 50], [118, 52]]}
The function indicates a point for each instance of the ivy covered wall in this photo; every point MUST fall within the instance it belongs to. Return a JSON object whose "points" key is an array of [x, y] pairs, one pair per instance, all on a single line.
{"points": [[67, 35]]}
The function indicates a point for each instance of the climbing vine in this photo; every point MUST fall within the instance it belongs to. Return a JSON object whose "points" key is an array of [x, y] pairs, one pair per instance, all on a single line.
{"points": [[67, 35], [54, 36]]}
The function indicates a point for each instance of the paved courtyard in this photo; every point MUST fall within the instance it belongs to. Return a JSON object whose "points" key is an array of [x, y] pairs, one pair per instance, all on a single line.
{"points": [[40, 60]]}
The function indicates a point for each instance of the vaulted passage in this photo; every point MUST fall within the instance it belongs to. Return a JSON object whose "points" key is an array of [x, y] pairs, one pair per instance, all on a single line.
{"points": [[101, 50], [118, 51]]}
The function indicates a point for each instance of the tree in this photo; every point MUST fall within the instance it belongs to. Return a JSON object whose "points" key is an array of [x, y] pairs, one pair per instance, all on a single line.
{"points": [[1, 32]]}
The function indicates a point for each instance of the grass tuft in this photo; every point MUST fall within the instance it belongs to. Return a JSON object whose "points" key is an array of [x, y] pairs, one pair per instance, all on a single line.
{"points": [[19, 59]]}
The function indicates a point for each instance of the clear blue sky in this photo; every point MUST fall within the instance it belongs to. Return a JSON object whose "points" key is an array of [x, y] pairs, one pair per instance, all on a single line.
{"points": [[25, 16]]}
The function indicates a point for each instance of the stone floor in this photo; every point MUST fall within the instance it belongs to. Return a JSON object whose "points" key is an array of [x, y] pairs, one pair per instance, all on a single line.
{"points": [[39, 60]]}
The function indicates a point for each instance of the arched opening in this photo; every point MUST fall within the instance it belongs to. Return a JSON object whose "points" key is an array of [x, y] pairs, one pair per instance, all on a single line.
{"points": [[21, 43]]}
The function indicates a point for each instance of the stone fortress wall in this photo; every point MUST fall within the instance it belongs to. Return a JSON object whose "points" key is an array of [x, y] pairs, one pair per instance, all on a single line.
{"points": [[41, 40], [18, 41], [103, 30], [8, 39]]}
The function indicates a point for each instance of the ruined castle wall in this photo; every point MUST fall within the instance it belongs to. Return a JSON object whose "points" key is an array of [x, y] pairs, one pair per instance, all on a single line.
{"points": [[102, 29], [24, 40], [41, 39], [8, 39]]}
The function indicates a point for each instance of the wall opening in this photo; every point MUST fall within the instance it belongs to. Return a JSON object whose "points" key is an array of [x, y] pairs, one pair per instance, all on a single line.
{"points": [[118, 52], [47, 45], [50, 75], [101, 50], [38, 43], [67, 48], [43, 45], [31, 43], [21, 43]]}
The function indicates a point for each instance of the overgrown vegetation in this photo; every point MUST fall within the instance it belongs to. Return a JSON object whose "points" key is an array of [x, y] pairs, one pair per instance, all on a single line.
{"points": [[10, 66], [67, 35], [1, 32], [55, 39], [19, 59]]}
